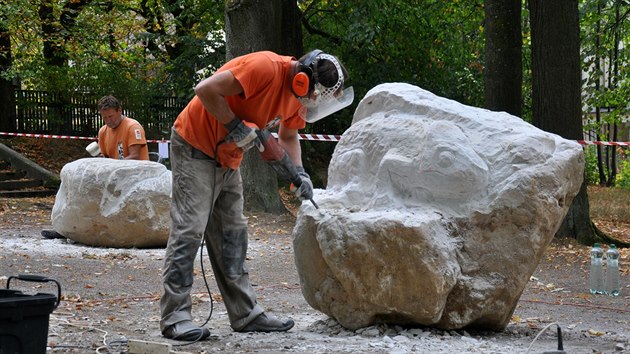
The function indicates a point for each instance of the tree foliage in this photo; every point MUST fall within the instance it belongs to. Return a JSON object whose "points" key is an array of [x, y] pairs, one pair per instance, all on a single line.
{"points": [[144, 46], [437, 45], [139, 48], [605, 29], [130, 48], [6, 82]]}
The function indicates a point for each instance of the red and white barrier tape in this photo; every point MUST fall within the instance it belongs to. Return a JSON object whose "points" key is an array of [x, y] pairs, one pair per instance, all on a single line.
{"points": [[29, 135], [318, 137], [605, 143], [314, 137]]}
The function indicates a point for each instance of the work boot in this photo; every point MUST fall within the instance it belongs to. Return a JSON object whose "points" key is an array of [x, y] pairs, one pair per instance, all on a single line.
{"points": [[263, 323], [186, 331]]}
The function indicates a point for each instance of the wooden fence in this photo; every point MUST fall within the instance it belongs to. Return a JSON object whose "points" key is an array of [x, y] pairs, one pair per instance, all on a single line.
{"points": [[46, 113]]}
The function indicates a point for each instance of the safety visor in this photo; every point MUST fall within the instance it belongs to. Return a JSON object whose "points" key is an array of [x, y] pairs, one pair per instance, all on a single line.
{"points": [[326, 105]]}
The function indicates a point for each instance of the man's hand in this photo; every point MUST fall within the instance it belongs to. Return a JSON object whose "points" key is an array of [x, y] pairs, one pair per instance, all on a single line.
{"points": [[242, 135], [305, 190]]}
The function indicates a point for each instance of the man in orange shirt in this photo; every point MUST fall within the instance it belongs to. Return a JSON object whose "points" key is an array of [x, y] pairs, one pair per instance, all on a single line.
{"points": [[121, 137], [208, 140]]}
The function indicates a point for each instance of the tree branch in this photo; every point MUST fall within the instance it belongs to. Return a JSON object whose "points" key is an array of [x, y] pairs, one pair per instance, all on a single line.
{"points": [[312, 30]]}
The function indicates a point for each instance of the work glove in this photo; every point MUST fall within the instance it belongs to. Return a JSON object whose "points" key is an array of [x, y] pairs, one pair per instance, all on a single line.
{"points": [[241, 134], [305, 190]]}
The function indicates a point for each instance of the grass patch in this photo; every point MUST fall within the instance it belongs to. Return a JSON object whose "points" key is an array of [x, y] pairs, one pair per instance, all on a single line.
{"points": [[610, 204]]}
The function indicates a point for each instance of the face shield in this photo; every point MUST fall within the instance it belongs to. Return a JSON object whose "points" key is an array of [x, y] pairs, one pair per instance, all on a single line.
{"points": [[318, 108], [324, 101]]}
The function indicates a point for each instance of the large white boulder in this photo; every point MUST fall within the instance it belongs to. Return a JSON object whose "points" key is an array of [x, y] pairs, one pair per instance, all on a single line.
{"points": [[435, 213], [114, 203]]}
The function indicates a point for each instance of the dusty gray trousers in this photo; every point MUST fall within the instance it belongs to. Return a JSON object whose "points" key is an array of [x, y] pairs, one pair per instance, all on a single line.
{"points": [[207, 201]]}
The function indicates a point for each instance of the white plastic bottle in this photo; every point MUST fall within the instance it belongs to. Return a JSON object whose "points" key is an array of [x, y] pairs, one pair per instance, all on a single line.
{"points": [[596, 276], [612, 271]]}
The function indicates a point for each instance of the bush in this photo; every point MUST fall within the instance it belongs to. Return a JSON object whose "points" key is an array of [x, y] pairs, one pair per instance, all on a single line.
{"points": [[623, 167], [591, 172], [623, 177]]}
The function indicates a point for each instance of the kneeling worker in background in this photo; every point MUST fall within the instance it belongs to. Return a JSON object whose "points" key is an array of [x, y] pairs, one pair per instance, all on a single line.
{"points": [[120, 138]]}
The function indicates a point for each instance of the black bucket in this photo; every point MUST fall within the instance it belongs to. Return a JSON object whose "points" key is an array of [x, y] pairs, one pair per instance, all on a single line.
{"points": [[24, 318]]}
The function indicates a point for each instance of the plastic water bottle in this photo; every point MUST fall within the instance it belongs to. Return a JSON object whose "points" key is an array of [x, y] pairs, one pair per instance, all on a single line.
{"points": [[596, 276], [612, 271]]}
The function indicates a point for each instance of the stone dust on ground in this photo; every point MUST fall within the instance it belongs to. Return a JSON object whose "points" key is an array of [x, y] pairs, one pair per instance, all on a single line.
{"points": [[110, 297]]}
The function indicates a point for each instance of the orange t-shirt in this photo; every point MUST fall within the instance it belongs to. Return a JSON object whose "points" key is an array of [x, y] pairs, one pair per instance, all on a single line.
{"points": [[114, 143], [266, 96]]}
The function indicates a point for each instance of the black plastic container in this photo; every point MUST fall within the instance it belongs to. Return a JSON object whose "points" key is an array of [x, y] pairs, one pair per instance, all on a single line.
{"points": [[24, 318]]}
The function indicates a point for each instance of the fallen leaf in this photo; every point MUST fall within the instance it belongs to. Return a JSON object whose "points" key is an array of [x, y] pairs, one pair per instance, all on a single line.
{"points": [[585, 297], [595, 333], [533, 325]]}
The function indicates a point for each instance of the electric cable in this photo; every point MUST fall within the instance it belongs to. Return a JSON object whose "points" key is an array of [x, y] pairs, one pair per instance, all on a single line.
{"points": [[205, 280], [66, 347], [541, 332], [116, 346], [89, 327]]}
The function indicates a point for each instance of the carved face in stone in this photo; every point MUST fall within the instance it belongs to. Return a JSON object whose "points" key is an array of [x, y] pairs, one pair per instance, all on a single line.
{"points": [[430, 162], [445, 168]]}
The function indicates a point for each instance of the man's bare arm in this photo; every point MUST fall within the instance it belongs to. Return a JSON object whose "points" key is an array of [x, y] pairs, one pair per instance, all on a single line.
{"points": [[134, 152], [212, 92], [288, 139]]}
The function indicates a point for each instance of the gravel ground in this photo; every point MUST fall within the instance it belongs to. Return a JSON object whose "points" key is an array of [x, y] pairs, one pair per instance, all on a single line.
{"points": [[110, 298]]}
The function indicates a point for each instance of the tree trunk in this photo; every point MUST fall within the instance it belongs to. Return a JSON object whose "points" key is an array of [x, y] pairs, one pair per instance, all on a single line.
{"points": [[503, 75], [255, 25], [53, 50], [598, 116], [56, 31], [614, 68], [7, 95], [556, 91]]}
